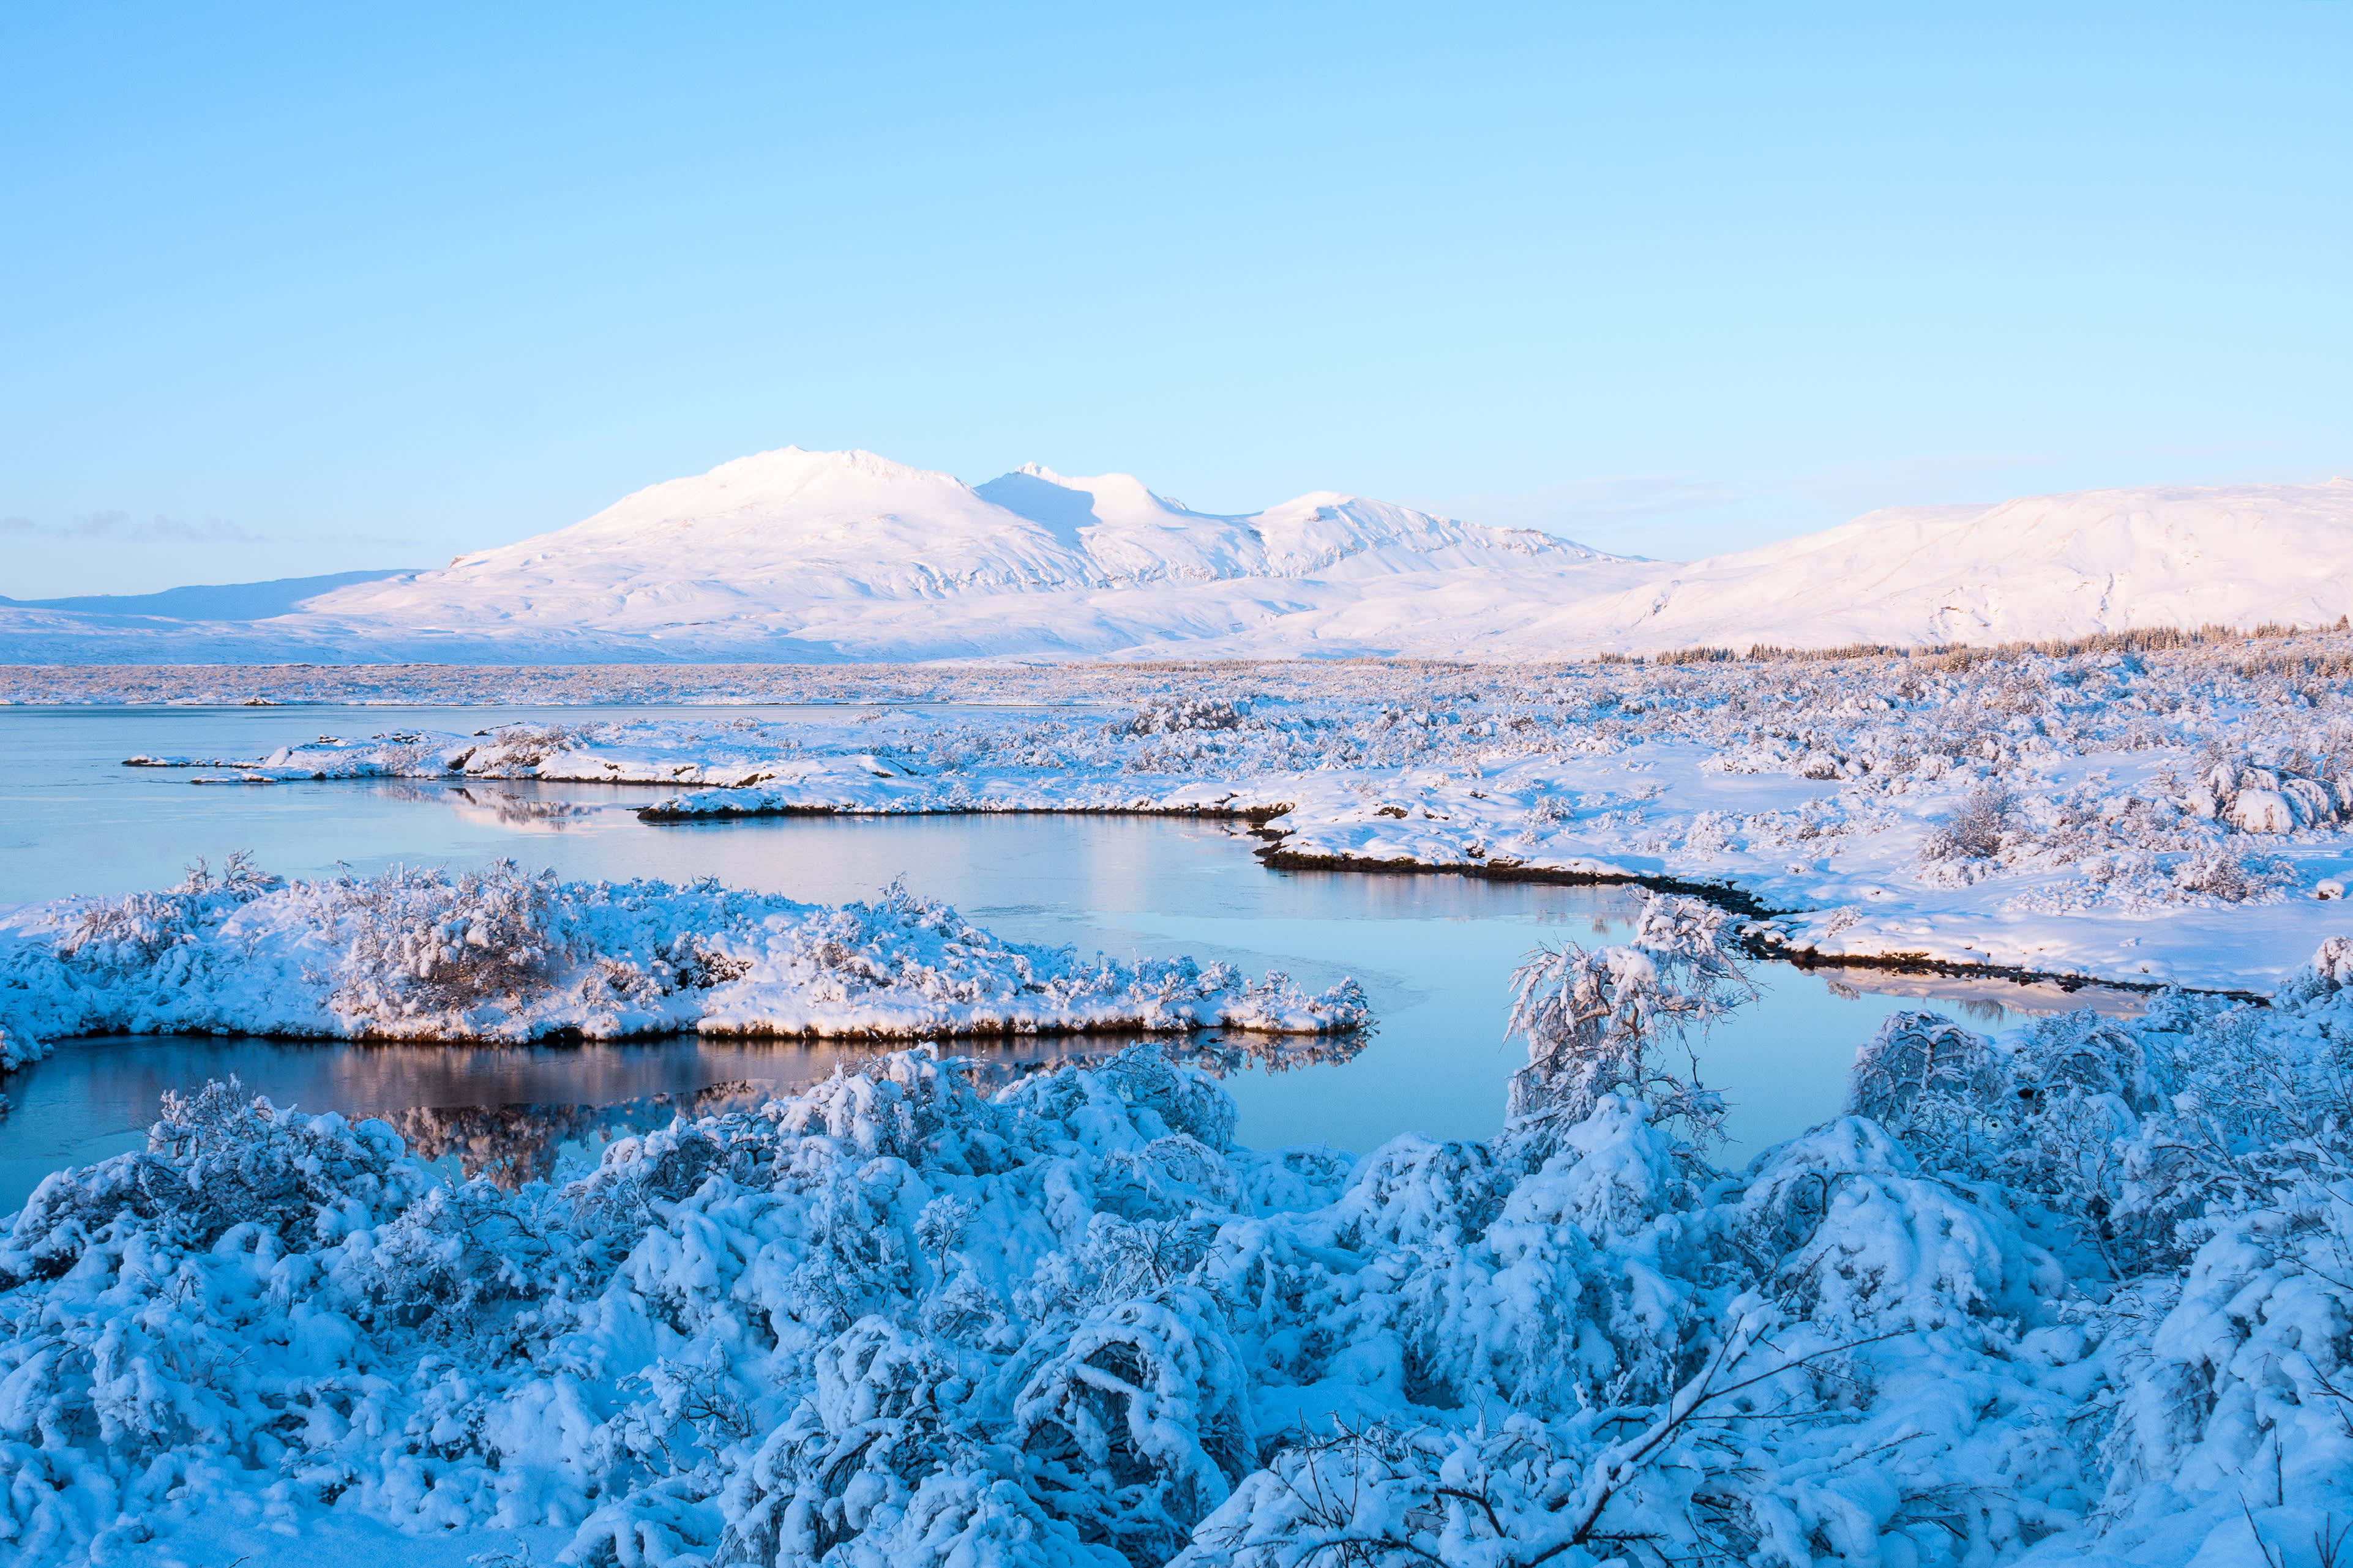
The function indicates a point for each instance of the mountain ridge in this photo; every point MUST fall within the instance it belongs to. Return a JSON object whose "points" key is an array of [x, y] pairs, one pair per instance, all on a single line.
{"points": [[799, 556]]}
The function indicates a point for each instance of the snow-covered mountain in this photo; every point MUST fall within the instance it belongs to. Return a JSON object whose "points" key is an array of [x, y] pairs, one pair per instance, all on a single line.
{"points": [[793, 555], [777, 529], [818, 557], [209, 602], [2045, 566]]}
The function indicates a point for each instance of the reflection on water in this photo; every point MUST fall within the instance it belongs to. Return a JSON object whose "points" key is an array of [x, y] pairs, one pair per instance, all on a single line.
{"points": [[1434, 952], [512, 1144], [500, 805], [1988, 1003], [512, 1112]]}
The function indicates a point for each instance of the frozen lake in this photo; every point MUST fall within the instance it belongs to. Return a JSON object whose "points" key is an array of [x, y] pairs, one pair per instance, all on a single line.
{"points": [[1433, 951]]}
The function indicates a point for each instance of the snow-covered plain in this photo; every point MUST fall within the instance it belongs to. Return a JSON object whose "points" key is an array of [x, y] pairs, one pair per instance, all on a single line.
{"points": [[818, 556], [2167, 815]]}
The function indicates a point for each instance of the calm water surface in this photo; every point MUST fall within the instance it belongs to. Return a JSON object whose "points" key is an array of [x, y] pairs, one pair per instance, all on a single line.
{"points": [[1433, 951]]}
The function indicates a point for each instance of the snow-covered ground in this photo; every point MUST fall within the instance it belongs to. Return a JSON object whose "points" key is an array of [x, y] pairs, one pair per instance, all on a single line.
{"points": [[2075, 1294], [2147, 817], [2078, 1293], [829, 556]]}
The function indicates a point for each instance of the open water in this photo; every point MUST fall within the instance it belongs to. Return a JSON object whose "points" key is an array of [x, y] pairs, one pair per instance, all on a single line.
{"points": [[1434, 952]]}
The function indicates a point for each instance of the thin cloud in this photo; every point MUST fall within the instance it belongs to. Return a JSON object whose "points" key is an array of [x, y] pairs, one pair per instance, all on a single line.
{"points": [[123, 527]]}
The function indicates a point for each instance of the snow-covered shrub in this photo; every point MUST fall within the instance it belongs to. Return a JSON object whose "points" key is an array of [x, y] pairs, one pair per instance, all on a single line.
{"points": [[140, 927], [1916, 1064], [426, 942], [1972, 831], [1134, 1420], [1601, 1022], [2271, 800], [1181, 714], [2047, 1113], [19, 1045], [2228, 876], [505, 954], [518, 747], [216, 1162], [2233, 1359], [1711, 833]]}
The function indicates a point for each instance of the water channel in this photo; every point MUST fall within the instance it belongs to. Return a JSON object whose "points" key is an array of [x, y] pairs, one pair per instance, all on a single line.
{"points": [[1434, 952]]}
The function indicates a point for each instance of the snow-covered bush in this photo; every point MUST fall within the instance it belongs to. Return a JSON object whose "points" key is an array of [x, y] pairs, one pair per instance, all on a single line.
{"points": [[2274, 800], [1920, 1066], [2066, 1288], [1184, 714], [1602, 1022], [2229, 876], [1974, 831], [138, 927], [432, 944], [503, 954]]}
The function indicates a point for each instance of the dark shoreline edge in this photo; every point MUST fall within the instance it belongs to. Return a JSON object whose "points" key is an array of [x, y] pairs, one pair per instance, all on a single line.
{"points": [[572, 1035], [1725, 896], [1756, 943], [659, 818]]}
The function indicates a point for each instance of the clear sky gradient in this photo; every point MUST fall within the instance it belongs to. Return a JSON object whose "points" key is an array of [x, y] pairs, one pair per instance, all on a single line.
{"points": [[296, 288]]}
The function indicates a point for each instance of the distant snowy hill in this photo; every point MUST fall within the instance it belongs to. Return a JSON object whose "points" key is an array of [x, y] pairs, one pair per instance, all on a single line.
{"points": [[822, 556], [210, 601], [2046, 566]]}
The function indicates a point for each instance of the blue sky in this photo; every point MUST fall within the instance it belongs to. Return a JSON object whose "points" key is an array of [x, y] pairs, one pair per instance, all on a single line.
{"points": [[288, 288]]}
